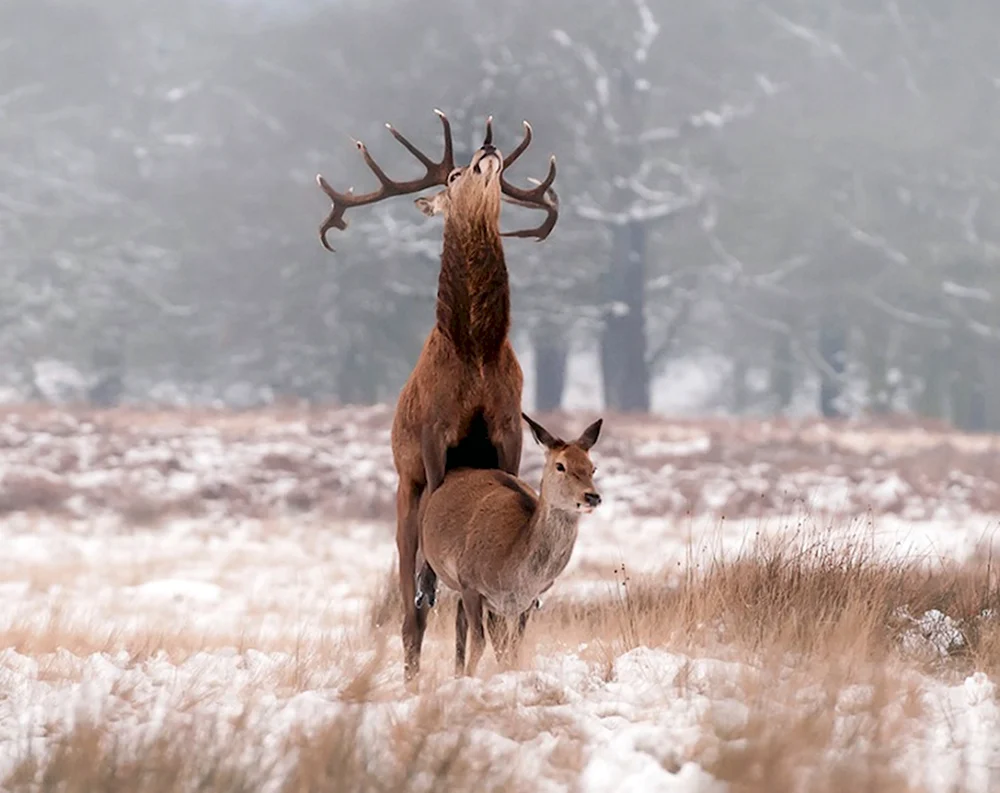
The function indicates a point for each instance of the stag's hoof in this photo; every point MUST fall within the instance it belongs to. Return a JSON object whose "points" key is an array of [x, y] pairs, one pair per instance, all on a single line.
{"points": [[429, 597], [538, 603]]}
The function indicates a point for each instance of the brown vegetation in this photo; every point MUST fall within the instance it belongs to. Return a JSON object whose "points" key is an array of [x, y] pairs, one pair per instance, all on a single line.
{"points": [[335, 462]]}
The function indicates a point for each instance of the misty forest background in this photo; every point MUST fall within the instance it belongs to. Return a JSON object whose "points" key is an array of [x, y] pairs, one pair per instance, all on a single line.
{"points": [[803, 190]]}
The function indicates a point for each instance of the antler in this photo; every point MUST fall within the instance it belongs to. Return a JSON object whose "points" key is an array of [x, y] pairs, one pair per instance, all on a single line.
{"points": [[437, 174], [542, 196]]}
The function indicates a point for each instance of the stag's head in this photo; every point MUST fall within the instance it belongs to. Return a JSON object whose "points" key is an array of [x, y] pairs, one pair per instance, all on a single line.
{"points": [[472, 191], [568, 475]]}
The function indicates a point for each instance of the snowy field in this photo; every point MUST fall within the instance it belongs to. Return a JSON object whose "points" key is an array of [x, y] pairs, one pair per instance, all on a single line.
{"points": [[212, 594]]}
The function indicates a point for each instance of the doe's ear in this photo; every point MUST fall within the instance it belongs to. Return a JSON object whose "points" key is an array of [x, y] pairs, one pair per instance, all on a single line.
{"points": [[542, 435], [589, 436]]}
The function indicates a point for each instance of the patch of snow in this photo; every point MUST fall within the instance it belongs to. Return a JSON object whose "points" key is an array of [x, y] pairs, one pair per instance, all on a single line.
{"points": [[934, 634], [678, 448], [961, 746], [179, 589]]}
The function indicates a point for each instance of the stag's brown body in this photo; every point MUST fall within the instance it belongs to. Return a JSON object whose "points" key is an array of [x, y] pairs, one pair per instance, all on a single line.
{"points": [[460, 407], [487, 535], [462, 403]]}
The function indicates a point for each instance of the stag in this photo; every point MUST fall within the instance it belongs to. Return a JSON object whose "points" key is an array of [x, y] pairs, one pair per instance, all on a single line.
{"points": [[461, 406], [488, 536]]}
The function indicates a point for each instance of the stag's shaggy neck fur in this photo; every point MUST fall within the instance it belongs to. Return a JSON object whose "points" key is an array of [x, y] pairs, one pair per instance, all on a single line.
{"points": [[473, 300]]}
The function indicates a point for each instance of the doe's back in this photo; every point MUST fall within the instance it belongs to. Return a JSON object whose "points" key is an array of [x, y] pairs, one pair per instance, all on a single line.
{"points": [[476, 510]]}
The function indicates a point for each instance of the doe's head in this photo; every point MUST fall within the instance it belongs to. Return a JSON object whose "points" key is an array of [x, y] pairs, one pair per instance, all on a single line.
{"points": [[473, 191], [568, 475]]}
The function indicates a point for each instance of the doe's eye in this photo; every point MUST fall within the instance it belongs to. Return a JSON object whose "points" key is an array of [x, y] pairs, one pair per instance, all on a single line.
{"points": [[560, 467]]}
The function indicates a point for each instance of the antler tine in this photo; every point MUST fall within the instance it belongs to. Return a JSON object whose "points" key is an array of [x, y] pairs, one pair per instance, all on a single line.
{"points": [[436, 174], [488, 139], [542, 196], [447, 163], [536, 195], [550, 204], [426, 161], [512, 157], [448, 158]]}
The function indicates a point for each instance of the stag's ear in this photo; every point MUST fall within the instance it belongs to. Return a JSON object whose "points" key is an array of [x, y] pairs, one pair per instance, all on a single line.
{"points": [[542, 435], [589, 436], [432, 205]]}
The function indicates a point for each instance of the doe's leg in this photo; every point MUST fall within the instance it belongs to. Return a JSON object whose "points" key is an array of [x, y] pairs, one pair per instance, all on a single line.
{"points": [[473, 603], [435, 456], [514, 648], [508, 446], [499, 635]]}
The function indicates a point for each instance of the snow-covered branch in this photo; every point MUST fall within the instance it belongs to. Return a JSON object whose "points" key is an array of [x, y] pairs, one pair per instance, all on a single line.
{"points": [[979, 294], [602, 82], [820, 44], [871, 240], [637, 212], [905, 316], [649, 29], [15, 94]]}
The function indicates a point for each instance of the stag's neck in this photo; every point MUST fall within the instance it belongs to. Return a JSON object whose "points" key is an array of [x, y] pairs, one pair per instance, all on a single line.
{"points": [[473, 302], [548, 540]]}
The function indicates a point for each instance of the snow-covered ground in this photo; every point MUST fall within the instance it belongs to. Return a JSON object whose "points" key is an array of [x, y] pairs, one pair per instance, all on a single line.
{"points": [[165, 568]]}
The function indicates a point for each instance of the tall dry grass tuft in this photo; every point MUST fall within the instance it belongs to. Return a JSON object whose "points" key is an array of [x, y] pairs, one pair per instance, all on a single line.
{"points": [[92, 759], [790, 598]]}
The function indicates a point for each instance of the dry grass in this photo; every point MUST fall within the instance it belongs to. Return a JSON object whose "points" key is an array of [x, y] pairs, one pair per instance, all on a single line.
{"points": [[121, 461], [331, 759], [788, 746], [790, 598], [33, 493], [431, 751], [783, 600], [803, 615]]}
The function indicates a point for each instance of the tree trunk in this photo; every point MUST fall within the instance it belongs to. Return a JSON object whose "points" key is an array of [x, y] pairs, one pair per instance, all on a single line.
{"points": [[623, 341], [738, 380], [356, 384], [551, 354], [935, 372], [833, 352], [877, 366], [968, 391], [782, 371], [109, 366]]}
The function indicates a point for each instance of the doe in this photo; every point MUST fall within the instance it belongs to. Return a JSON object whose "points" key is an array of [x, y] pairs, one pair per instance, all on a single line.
{"points": [[487, 535]]}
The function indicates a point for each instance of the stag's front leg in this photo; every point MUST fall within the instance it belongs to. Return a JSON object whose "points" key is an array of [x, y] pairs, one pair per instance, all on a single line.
{"points": [[434, 451], [508, 448], [414, 617]]}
